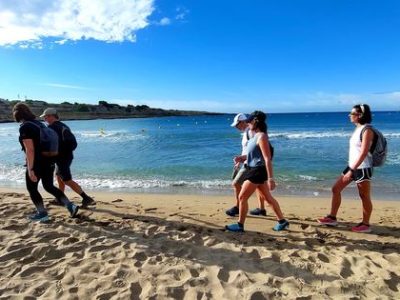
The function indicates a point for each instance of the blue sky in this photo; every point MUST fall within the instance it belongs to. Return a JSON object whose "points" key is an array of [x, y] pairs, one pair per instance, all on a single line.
{"points": [[223, 56]]}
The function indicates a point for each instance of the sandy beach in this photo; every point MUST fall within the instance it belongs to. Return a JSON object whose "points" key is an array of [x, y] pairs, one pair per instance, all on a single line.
{"points": [[150, 246]]}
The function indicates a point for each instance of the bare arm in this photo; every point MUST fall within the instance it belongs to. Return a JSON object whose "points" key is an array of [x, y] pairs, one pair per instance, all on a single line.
{"points": [[30, 158]]}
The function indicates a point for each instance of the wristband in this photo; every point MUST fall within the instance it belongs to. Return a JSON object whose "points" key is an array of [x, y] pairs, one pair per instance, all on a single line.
{"points": [[272, 178]]}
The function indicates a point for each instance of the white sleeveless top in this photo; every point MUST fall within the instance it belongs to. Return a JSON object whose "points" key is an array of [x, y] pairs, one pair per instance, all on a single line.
{"points": [[246, 135], [355, 150]]}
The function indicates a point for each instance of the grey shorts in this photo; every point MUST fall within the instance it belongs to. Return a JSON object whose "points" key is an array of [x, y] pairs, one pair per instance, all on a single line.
{"points": [[238, 176]]}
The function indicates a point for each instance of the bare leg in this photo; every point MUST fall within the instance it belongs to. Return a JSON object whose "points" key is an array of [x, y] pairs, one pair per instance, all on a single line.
{"points": [[264, 190], [247, 190], [364, 190], [236, 188], [261, 200], [61, 184], [74, 186], [337, 189]]}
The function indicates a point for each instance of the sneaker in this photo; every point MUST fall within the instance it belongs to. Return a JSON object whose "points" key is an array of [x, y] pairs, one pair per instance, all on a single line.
{"points": [[40, 217], [258, 212], [56, 202], [73, 210], [234, 211], [234, 228], [281, 226], [88, 201], [362, 228], [328, 220]]}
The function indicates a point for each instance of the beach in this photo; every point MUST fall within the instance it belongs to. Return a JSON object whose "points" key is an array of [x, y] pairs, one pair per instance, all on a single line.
{"points": [[173, 246]]}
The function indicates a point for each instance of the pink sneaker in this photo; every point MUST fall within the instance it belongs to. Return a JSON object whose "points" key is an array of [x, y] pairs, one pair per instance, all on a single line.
{"points": [[329, 221], [361, 228]]}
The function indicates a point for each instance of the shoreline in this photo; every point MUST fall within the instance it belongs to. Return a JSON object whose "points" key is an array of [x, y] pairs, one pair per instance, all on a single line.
{"points": [[351, 193]]}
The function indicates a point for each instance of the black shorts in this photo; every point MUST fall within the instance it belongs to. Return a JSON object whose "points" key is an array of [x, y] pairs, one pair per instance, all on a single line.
{"points": [[360, 175], [256, 175], [64, 169]]}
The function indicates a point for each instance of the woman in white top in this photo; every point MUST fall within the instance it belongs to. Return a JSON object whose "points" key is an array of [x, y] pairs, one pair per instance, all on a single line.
{"points": [[358, 170]]}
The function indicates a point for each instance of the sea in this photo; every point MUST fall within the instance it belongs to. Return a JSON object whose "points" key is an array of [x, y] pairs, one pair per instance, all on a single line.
{"points": [[194, 154]]}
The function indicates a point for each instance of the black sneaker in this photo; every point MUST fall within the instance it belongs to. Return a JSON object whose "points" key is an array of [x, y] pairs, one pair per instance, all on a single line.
{"points": [[258, 212], [234, 211], [88, 201]]}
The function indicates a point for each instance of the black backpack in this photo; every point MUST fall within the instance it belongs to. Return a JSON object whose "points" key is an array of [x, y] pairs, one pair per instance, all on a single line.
{"points": [[48, 140], [68, 139]]}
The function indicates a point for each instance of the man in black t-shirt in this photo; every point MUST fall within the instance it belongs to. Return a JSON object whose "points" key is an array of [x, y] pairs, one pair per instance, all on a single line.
{"points": [[38, 166], [65, 157]]}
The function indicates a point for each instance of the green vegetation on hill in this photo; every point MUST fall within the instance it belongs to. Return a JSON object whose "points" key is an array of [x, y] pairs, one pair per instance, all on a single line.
{"points": [[102, 110]]}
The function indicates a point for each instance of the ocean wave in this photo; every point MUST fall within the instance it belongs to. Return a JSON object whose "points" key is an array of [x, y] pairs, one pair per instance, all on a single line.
{"points": [[308, 135], [129, 184], [108, 136], [393, 159], [308, 178], [322, 135], [14, 174]]}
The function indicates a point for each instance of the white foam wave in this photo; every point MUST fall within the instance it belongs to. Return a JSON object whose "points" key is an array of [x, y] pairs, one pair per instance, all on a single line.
{"points": [[308, 177], [391, 135], [393, 159], [109, 136], [123, 183], [308, 135], [12, 174], [322, 135]]}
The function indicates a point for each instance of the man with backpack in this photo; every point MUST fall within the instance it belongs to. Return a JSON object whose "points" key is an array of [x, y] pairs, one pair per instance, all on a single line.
{"points": [[67, 144], [40, 146]]}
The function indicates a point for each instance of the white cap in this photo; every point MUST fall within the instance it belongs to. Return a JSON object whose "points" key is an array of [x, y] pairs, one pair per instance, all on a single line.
{"points": [[239, 117], [49, 112]]}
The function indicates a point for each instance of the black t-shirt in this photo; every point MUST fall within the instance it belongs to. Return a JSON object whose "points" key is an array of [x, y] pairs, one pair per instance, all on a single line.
{"points": [[29, 131], [63, 153]]}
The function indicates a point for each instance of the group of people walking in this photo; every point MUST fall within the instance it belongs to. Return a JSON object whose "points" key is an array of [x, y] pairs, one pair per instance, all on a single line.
{"points": [[253, 171], [42, 167]]}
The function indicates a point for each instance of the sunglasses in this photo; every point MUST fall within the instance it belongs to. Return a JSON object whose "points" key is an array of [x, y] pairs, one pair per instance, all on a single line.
{"points": [[354, 113]]}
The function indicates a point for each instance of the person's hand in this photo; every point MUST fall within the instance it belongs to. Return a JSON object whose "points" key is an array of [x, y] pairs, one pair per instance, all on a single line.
{"points": [[32, 176], [271, 184], [236, 165], [348, 175], [238, 159]]}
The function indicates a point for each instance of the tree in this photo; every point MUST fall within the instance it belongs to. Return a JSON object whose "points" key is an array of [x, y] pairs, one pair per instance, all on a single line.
{"points": [[82, 108]]}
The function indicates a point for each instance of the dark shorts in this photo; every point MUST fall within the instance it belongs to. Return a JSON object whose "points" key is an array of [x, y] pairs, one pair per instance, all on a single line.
{"points": [[360, 175], [256, 175], [64, 169]]}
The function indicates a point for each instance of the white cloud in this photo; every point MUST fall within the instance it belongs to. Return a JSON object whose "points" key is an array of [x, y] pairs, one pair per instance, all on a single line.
{"points": [[181, 13], [65, 86], [29, 22], [164, 21]]}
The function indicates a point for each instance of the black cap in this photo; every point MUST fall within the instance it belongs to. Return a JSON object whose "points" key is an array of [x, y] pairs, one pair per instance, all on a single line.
{"points": [[259, 115]]}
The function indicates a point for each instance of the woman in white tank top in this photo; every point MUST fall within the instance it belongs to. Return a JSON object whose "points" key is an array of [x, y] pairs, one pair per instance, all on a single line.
{"points": [[359, 169]]}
